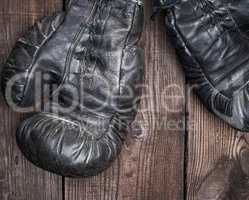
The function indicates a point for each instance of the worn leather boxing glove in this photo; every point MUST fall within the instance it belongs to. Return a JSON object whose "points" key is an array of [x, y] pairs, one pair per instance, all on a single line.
{"points": [[212, 43], [89, 67]]}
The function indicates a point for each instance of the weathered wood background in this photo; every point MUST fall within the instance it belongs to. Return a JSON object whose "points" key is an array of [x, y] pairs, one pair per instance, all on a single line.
{"points": [[176, 149]]}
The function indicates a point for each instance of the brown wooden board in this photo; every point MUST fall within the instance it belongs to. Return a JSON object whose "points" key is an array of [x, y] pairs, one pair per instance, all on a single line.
{"points": [[151, 165], [218, 157], [20, 180]]}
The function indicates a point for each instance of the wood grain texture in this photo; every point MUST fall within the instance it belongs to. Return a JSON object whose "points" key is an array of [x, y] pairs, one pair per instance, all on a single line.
{"points": [[20, 180], [218, 158], [151, 163]]}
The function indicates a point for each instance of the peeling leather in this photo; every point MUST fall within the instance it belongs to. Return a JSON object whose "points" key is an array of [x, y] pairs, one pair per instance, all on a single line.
{"points": [[93, 50], [211, 41]]}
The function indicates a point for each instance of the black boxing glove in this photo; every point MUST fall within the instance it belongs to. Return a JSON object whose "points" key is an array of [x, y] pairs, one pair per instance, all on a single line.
{"points": [[90, 69], [211, 42]]}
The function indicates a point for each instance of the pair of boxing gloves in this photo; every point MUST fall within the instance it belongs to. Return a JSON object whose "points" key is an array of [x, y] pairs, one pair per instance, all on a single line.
{"points": [[80, 73]]}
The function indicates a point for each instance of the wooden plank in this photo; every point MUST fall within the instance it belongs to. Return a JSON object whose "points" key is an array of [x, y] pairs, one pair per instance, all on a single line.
{"points": [[19, 179], [218, 157], [151, 165]]}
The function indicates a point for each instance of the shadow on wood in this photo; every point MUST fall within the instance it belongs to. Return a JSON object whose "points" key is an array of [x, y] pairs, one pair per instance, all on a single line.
{"points": [[229, 180]]}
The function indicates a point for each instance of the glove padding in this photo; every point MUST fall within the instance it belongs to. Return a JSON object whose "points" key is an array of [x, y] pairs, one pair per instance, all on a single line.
{"points": [[93, 68], [212, 44]]}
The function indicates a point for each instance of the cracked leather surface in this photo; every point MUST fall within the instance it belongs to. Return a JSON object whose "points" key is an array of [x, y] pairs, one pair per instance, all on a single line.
{"points": [[212, 43], [90, 58]]}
